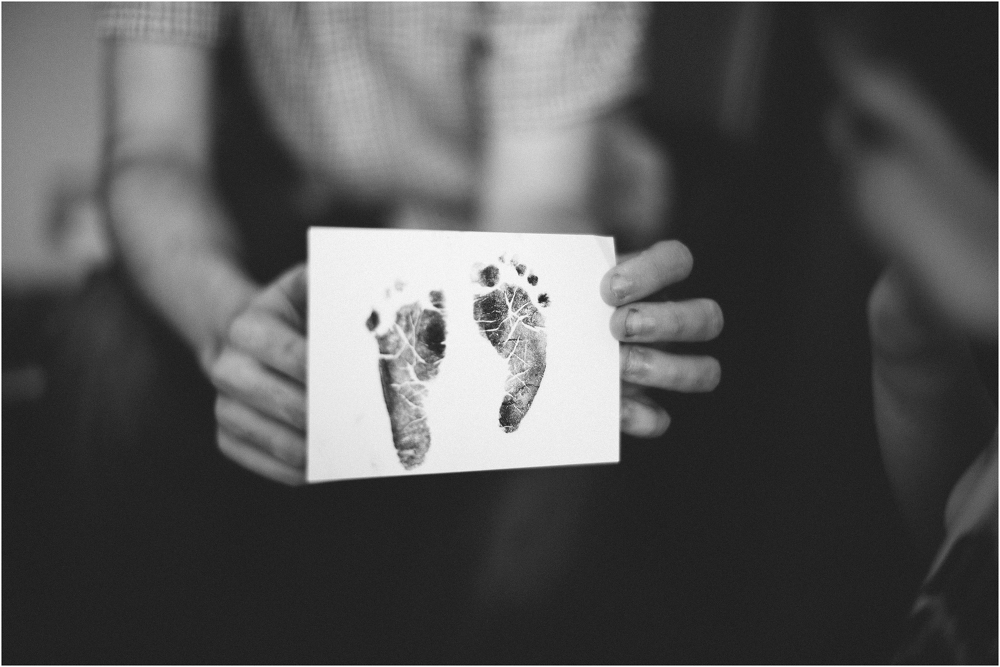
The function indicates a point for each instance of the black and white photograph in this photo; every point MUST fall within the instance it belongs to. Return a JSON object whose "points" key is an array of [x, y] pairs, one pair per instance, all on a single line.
{"points": [[407, 332]]}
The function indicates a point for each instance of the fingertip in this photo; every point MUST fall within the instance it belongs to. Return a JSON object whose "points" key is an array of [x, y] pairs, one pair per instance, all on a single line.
{"points": [[677, 256], [661, 425], [713, 374], [294, 283], [643, 420], [296, 414], [718, 316], [297, 481], [248, 457], [664, 423], [300, 281], [656, 267]]}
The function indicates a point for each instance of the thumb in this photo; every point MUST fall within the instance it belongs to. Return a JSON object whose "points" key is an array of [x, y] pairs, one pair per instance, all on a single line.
{"points": [[287, 295]]}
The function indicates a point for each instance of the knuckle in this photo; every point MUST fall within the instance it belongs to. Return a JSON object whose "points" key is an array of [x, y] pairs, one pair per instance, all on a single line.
{"points": [[218, 372], [284, 448], [289, 348], [227, 373], [671, 322], [247, 331], [670, 375], [618, 323], [291, 407], [292, 351], [236, 327]]}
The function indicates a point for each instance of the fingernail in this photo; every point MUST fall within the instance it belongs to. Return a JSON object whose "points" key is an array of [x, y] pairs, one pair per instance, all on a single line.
{"points": [[635, 323], [620, 286]]}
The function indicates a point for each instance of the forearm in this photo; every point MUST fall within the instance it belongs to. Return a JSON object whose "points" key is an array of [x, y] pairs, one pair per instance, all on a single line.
{"points": [[179, 246], [598, 176], [539, 181], [932, 413], [169, 227]]}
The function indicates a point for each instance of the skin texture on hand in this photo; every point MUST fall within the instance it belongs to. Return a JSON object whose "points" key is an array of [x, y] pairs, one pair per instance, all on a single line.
{"points": [[643, 326], [260, 376]]}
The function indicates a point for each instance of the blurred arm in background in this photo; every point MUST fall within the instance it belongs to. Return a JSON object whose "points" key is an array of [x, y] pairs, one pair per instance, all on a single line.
{"points": [[183, 252], [914, 130], [927, 202]]}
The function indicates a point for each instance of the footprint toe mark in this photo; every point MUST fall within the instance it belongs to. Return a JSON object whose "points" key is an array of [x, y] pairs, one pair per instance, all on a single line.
{"points": [[510, 319]]}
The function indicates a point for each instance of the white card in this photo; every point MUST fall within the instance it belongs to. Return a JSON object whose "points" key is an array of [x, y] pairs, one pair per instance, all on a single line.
{"points": [[485, 351]]}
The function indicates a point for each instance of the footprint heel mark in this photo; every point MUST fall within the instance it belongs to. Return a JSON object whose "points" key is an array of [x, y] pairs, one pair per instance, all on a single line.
{"points": [[411, 342], [509, 318]]}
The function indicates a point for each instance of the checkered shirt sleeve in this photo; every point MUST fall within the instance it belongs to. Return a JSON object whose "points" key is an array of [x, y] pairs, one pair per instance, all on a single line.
{"points": [[389, 99], [560, 62], [195, 23]]}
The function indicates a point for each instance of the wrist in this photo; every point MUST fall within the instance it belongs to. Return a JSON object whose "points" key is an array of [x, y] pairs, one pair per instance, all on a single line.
{"points": [[227, 293]]}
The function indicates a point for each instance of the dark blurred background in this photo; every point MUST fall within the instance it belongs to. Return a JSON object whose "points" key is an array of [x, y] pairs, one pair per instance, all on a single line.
{"points": [[760, 528]]}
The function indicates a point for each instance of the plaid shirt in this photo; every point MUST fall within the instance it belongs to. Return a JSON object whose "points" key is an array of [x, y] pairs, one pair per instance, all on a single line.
{"points": [[390, 99]]}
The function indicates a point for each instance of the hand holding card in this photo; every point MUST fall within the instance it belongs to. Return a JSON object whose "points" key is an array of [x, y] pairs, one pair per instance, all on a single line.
{"points": [[259, 374], [637, 277]]}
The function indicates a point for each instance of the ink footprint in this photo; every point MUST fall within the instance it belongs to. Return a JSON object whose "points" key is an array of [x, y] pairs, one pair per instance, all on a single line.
{"points": [[509, 318], [410, 331]]}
